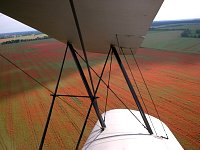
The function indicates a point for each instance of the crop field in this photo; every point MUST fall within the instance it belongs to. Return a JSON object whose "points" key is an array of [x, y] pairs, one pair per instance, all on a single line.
{"points": [[179, 26], [171, 41], [172, 78], [168, 38], [27, 37]]}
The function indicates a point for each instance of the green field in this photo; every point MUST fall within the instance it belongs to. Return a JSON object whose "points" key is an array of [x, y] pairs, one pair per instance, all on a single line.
{"points": [[169, 38]]}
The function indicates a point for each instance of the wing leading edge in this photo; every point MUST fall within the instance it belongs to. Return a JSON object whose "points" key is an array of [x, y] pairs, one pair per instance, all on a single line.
{"points": [[100, 21]]}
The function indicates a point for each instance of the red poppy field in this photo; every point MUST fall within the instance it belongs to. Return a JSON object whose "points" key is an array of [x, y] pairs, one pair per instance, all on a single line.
{"points": [[173, 80]]}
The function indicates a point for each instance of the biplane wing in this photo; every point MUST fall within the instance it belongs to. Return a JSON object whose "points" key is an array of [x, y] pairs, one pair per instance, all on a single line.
{"points": [[122, 23], [97, 26]]}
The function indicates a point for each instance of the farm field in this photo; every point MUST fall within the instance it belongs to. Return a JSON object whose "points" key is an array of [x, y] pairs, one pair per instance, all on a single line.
{"points": [[25, 37], [170, 41], [172, 78], [167, 37]]}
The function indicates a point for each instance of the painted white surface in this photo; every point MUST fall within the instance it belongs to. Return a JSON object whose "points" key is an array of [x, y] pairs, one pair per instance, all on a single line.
{"points": [[100, 20], [124, 132]]}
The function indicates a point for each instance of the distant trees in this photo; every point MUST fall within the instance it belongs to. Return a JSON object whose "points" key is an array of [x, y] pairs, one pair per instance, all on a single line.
{"points": [[191, 33], [24, 40], [186, 33], [198, 31], [10, 42]]}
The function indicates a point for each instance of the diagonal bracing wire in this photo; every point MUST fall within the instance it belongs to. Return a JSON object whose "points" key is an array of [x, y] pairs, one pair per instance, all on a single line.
{"points": [[110, 68], [42, 85], [89, 110], [113, 92], [81, 40], [137, 88], [63, 99], [149, 92]]}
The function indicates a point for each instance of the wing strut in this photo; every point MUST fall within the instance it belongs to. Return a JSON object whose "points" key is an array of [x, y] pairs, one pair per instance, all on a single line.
{"points": [[89, 91], [131, 89], [52, 103], [91, 95]]}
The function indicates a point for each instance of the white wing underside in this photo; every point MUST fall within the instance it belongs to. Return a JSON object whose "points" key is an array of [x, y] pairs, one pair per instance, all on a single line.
{"points": [[99, 20]]}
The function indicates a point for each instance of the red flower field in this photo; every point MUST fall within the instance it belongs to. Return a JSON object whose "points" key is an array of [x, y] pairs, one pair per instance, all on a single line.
{"points": [[173, 80]]}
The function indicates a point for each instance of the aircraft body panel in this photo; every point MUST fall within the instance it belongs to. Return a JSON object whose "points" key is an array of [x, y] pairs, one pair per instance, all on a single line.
{"points": [[123, 131]]}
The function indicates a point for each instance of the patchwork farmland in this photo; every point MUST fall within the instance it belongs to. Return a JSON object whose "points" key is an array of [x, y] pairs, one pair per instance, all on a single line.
{"points": [[172, 78], [29, 70]]}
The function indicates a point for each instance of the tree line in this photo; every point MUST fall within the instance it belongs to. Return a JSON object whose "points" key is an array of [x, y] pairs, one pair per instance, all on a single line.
{"points": [[24, 40], [190, 33]]}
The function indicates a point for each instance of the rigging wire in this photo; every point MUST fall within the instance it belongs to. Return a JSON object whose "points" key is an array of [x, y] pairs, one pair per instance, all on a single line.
{"points": [[81, 40], [148, 92], [61, 98], [120, 49], [89, 110], [112, 91], [102, 72], [138, 88], [105, 109], [42, 85], [26, 73], [95, 138]]}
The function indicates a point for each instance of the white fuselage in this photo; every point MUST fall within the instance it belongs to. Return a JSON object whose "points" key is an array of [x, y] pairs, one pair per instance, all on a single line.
{"points": [[124, 132]]}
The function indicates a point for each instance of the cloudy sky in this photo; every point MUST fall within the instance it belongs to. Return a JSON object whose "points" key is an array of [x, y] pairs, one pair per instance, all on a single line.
{"points": [[170, 10]]}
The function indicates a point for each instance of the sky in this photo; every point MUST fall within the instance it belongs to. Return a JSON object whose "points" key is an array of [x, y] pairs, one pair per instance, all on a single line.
{"points": [[178, 10], [170, 10], [8, 24]]}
